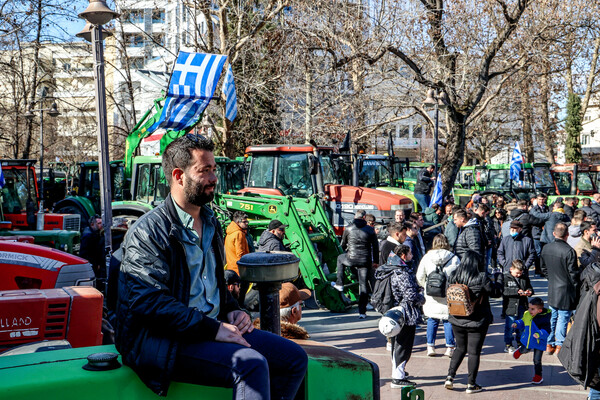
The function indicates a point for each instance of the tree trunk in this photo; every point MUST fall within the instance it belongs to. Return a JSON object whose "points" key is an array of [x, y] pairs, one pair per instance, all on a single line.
{"points": [[526, 120], [308, 106], [455, 151], [545, 98]]}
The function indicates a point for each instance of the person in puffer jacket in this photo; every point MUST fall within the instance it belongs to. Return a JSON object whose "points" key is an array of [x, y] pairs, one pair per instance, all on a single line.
{"points": [[535, 326], [408, 297]]}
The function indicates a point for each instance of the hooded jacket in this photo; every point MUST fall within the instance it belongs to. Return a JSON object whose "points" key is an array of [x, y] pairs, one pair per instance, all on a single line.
{"points": [[436, 307], [407, 293], [529, 326], [154, 292], [432, 216], [236, 245], [574, 235], [580, 352], [469, 238], [270, 242]]}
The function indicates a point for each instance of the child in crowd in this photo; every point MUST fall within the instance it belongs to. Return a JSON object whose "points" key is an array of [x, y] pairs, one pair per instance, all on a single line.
{"points": [[535, 326], [408, 297], [517, 288]]}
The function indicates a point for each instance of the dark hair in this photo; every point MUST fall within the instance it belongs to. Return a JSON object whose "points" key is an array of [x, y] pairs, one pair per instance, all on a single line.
{"points": [[178, 153], [396, 227], [483, 207], [579, 214], [503, 213], [542, 195], [370, 218], [537, 301], [585, 226], [560, 230], [415, 216], [518, 264], [456, 207], [586, 202], [467, 272], [435, 206], [559, 204], [239, 216], [360, 214], [522, 203], [401, 250], [460, 213]]}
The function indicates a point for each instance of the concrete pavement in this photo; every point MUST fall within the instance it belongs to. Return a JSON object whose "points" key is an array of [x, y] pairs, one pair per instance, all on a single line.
{"points": [[499, 374]]}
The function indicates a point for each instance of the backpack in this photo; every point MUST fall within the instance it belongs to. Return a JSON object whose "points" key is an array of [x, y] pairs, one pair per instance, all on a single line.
{"points": [[436, 282], [382, 298], [459, 300]]}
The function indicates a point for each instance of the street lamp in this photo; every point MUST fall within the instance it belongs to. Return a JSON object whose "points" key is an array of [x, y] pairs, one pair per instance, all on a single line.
{"points": [[97, 14], [436, 100], [53, 112]]}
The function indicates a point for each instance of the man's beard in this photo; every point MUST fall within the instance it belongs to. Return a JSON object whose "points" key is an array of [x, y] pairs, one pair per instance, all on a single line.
{"points": [[195, 194]]}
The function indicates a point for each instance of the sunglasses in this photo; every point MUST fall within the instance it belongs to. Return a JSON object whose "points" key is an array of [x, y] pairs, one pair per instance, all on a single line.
{"points": [[195, 137]]}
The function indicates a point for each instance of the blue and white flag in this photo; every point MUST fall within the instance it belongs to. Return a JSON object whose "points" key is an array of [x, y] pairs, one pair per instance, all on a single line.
{"points": [[229, 92], [191, 88], [436, 197], [515, 163], [2, 183]]}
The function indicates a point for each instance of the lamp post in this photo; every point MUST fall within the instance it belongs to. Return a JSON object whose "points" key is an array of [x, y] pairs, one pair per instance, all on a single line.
{"points": [[53, 112], [436, 100], [97, 14]]}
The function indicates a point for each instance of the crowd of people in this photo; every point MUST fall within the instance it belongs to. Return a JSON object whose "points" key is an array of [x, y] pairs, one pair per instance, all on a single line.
{"points": [[492, 248]]}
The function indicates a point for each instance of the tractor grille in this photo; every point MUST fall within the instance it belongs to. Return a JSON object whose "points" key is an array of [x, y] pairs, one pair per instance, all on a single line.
{"points": [[56, 321], [72, 222]]}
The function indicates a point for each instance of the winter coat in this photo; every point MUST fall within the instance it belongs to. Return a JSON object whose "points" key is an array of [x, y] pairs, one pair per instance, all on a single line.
{"points": [[559, 266], [236, 245], [569, 211], [436, 307], [539, 324], [385, 248], [407, 293], [511, 292], [574, 235], [517, 248], [529, 221], [270, 242], [488, 233], [580, 352], [424, 182], [536, 230], [451, 232], [415, 249], [551, 218], [154, 292], [589, 257], [480, 292], [361, 244], [431, 216], [590, 212], [581, 247], [469, 238]]}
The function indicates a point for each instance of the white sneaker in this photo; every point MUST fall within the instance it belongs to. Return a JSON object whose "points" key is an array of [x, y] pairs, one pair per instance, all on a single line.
{"points": [[388, 346], [370, 307], [362, 316], [337, 287], [449, 352], [431, 351]]}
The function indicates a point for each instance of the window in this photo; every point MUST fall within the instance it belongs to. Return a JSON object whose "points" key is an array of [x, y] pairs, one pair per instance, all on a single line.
{"points": [[66, 66], [136, 62], [134, 40], [403, 131], [158, 16], [585, 139], [133, 16], [261, 173], [159, 38], [563, 181]]}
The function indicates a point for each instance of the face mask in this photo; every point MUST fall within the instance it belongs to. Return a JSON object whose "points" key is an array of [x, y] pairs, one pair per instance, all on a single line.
{"points": [[514, 234]]}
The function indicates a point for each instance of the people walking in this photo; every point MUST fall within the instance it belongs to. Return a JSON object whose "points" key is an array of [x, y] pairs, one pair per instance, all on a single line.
{"points": [[438, 259], [470, 331], [559, 265]]}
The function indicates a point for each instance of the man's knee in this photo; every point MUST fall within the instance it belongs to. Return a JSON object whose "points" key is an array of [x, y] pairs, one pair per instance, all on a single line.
{"points": [[298, 358], [249, 362]]}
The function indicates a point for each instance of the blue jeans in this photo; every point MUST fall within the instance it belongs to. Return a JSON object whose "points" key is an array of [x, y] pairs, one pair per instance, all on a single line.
{"points": [[423, 200], [273, 367], [509, 330], [594, 394], [432, 327], [558, 326]]}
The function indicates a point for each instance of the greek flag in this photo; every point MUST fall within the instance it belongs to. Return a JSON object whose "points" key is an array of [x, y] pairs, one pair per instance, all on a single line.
{"points": [[515, 163], [191, 88], [229, 92], [1, 178], [436, 197]]}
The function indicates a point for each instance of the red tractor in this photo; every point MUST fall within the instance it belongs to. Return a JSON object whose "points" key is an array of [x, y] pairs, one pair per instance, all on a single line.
{"points": [[303, 170]]}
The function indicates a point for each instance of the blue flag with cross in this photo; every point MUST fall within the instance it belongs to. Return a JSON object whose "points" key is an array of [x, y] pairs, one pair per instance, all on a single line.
{"points": [[515, 163], [436, 197], [191, 87], [230, 95]]}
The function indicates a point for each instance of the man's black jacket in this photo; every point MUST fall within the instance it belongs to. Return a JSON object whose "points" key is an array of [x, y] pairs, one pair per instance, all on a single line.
{"points": [[424, 182], [559, 266], [529, 221], [154, 290], [361, 244]]}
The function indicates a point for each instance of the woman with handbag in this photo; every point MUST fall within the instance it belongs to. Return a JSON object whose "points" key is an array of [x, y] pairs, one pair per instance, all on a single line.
{"points": [[438, 260]]}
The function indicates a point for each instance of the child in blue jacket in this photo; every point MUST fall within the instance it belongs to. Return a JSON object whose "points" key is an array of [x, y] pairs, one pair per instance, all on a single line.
{"points": [[534, 326]]}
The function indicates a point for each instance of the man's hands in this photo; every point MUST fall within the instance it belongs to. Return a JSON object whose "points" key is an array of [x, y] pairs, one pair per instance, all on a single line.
{"points": [[536, 335], [596, 242], [239, 323]]}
